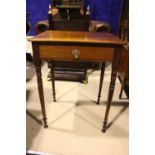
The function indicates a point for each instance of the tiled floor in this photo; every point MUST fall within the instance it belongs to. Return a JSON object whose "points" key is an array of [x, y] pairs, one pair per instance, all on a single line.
{"points": [[75, 121]]}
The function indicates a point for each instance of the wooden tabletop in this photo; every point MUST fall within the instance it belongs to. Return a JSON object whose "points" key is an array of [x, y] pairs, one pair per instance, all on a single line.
{"points": [[77, 37]]}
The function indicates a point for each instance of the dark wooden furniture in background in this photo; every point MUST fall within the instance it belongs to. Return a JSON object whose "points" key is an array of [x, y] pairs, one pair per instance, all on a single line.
{"points": [[123, 33], [77, 22], [123, 73], [68, 18], [28, 27], [77, 46]]}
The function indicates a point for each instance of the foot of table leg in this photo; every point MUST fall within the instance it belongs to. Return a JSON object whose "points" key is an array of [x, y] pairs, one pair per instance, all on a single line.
{"points": [[104, 126], [45, 126], [45, 122]]}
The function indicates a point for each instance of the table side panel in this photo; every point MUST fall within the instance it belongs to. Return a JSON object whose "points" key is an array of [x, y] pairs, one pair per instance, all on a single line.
{"points": [[87, 53]]}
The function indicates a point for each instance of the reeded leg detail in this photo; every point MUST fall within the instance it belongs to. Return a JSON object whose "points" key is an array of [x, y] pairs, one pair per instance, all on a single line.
{"points": [[122, 86], [53, 81], [41, 93], [115, 65], [110, 95], [121, 92], [101, 81]]}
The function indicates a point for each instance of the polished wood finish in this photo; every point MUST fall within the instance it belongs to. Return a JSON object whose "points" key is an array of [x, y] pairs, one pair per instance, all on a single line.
{"points": [[58, 37], [80, 40]]}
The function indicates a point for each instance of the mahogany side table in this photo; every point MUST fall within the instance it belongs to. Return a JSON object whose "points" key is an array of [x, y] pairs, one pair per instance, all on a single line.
{"points": [[77, 46]]}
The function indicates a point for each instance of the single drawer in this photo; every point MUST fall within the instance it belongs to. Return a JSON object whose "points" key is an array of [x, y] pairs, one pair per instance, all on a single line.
{"points": [[77, 53]]}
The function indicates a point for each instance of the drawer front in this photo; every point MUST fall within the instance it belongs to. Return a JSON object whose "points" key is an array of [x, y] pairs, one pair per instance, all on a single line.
{"points": [[78, 53]]}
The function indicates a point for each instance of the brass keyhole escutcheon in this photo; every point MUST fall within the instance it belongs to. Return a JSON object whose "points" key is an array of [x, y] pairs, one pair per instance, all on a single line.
{"points": [[76, 54]]}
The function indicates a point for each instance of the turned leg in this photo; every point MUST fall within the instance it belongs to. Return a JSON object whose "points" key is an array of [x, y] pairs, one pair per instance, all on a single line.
{"points": [[110, 95], [41, 96], [123, 81], [122, 87], [115, 65], [37, 63], [53, 80], [101, 81]]}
